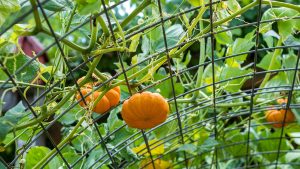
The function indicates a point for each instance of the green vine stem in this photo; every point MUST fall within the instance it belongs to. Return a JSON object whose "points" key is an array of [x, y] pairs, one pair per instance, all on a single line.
{"points": [[71, 18], [103, 26], [201, 60], [61, 144], [64, 40], [70, 136], [38, 23], [94, 34], [137, 10], [271, 67]]}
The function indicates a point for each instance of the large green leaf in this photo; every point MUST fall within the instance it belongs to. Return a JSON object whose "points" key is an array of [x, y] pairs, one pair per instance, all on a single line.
{"points": [[71, 157], [35, 154], [72, 115], [93, 156], [166, 86], [189, 148], [224, 38], [241, 45], [269, 147], [286, 26], [86, 7], [265, 62], [232, 72], [234, 143], [55, 6], [173, 34], [8, 7], [13, 63], [10, 119], [289, 61]]}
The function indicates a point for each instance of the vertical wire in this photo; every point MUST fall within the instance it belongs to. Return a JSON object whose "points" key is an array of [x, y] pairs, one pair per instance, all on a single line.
{"points": [[171, 78], [213, 76], [125, 76], [71, 73], [248, 154], [32, 110], [287, 107]]}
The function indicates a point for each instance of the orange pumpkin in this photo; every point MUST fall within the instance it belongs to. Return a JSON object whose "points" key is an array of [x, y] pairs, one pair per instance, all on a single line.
{"points": [[278, 117], [281, 101], [145, 110], [110, 99]]}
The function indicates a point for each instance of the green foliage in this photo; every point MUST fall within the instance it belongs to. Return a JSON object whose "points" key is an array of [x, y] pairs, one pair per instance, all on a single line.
{"points": [[13, 63], [35, 154], [8, 7], [166, 86], [285, 26], [86, 7], [269, 144], [10, 119]]}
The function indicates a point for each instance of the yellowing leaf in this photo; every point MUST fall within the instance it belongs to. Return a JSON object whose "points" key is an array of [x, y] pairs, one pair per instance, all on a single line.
{"points": [[156, 148], [134, 42], [196, 3], [231, 62], [209, 81], [159, 164]]}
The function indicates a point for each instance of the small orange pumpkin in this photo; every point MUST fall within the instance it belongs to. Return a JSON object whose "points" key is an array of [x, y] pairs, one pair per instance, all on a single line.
{"points": [[278, 117], [281, 101], [110, 99], [145, 110]]}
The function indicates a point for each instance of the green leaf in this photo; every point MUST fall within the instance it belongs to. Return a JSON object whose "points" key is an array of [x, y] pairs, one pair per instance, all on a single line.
{"points": [[8, 7], [232, 72], [166, 86], [135, 40], [265, 62], [189, 148], [269, 37], [279, 80], [162, 131], [93, 156], [113, 122], [291, 40], [10, 119], [13, 63], [297, 114], [54, 6], [265, 145], [224, 38], [173, 34], [145, 46], [289, 61], [233, 6], [71, 157], [35, 154], [241, 45], [72, 115], [208, 145], [197, 3], [233, 137], [286, 26], [207, 76], [86, 7]]}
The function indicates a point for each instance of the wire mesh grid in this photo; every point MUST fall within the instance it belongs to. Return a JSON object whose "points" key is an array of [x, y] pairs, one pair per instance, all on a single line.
{"points": [[211, 110]]}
